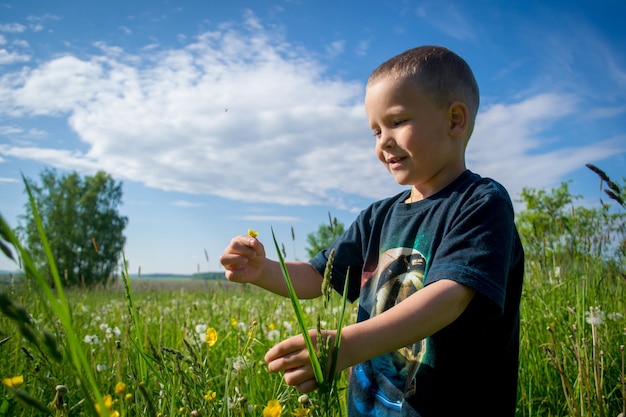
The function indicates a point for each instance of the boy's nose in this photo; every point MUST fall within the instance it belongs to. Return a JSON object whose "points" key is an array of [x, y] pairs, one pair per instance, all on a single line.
{"points": [[386, 140]]}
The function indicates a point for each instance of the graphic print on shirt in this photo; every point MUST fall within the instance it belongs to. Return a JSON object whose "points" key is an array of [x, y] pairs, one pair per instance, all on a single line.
{"points": [[400, 274]]}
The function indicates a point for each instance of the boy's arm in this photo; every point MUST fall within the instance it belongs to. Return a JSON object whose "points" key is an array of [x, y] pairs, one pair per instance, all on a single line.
{"points": [[245, 262], [422, 314]]}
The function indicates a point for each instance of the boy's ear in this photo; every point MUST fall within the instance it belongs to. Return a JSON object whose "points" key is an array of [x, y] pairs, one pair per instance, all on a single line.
{"points": [[458, 116]]}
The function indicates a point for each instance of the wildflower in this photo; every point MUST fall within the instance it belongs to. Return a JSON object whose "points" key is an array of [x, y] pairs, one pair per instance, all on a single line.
{"points": [[58, 403], [238, 363], [91, 339], [273, 335], [234, 322], [271, 326], [128, 397], [108, 404], [194, 413], [273, 409], [211, 336], [120, 388], [252, 233], [304, 400], [110, 332], [210, 395], [301, 412], [595, 316], [201, 328], [287, 326], [13, 382], [101, 367]]}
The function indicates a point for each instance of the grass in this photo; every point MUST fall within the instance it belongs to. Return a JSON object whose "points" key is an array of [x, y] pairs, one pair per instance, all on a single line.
{"points": [[165, 348], [230, 378]]}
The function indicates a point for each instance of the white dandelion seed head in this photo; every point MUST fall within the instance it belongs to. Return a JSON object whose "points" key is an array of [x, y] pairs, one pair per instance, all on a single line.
{"points": [[273, 335], [595, 316], [201, 328]]}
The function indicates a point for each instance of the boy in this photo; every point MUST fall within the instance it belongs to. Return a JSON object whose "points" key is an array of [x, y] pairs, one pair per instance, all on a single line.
{"points": [[437, 270]]}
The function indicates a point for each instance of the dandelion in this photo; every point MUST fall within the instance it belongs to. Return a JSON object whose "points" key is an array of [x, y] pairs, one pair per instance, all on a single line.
{"points": [[234, 322], [238, 363], [92, 339], [272, 409], [301, 412], [210, 395], [101, 367], [211, 336], [120, 388], [110, 332], [273, 335], [13, 382], [58, 403], [595, 316], [201, 328], [271, 326]]}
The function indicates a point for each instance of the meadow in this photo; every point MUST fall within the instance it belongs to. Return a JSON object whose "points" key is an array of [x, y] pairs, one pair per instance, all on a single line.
{"points": [[202, 343], [195, 348]]}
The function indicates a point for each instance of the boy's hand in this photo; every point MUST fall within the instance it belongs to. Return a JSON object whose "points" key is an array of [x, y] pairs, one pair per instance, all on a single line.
{"points": [[292, 357], [243, 259]]}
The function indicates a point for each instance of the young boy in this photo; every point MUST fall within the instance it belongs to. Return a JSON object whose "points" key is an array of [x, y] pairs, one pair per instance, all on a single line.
{"points": [[437, 270]]}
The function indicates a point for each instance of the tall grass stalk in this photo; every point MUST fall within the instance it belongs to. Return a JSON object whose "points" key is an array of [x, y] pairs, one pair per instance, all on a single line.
{"points": [[58, 303], [323, 354]]}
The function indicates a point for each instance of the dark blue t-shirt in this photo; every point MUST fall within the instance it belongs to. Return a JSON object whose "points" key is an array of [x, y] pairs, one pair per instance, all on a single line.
{"points": [[465, 233]]}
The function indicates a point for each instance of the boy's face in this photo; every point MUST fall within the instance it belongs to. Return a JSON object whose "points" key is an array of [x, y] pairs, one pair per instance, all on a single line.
{"points": [[415, 140]]}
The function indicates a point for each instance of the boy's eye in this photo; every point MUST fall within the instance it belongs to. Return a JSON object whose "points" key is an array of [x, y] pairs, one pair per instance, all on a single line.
{"points": [[376, 133], [398, 122]]}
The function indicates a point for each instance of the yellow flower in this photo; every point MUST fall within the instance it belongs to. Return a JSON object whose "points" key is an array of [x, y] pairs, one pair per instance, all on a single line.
{"points": [[120, 388], [13, 382], [301, 412], [271, 326], [252, 233], [210, 395], [273, 409], [211, 336], [234, 322], [128, 396], [108, 403]]}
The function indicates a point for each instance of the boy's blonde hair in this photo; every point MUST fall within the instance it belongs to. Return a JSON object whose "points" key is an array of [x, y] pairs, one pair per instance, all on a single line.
{"points": [[439, 73]]}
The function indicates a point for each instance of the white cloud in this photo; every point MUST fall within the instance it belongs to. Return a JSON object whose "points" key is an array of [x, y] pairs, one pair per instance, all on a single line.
{"points": [[184, 203], [239, 113], [509, 143], [12, 27], [7, 57]]}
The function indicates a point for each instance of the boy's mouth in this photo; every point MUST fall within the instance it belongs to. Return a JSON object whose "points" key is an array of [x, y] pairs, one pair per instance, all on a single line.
{"points": [[395, 161]]}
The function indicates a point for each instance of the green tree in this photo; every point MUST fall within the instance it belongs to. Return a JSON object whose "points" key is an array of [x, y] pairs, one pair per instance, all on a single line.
{"points": [[555, 230], [82, 224], [324, 237]]}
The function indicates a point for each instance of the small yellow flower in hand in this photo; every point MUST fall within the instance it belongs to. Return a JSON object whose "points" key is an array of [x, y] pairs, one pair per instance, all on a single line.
{"points": [[252, 233]]}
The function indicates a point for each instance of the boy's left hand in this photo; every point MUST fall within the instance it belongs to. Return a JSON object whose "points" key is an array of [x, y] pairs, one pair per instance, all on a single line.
{"points": [[292, 357]]}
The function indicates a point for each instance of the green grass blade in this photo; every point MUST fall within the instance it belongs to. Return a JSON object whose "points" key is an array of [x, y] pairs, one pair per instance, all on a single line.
{"points": [[344, 300], [317, 369]]}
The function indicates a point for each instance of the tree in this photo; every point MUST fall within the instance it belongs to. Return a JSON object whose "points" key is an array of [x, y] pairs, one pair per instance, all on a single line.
{"points": [[82, 225], [324, 237], [553, 229]]}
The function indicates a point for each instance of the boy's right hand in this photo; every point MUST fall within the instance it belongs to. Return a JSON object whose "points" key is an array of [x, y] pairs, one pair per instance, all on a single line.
{"points": [[243, 259]]}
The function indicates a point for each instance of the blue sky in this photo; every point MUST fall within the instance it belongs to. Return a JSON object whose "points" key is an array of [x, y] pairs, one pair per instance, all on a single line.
{"points": [[223, 116]]}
